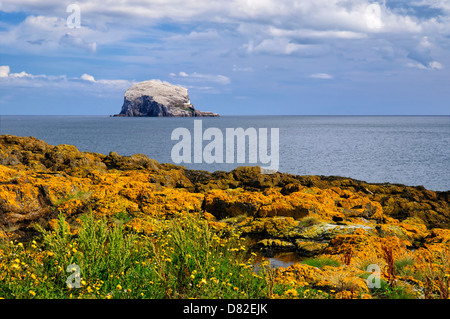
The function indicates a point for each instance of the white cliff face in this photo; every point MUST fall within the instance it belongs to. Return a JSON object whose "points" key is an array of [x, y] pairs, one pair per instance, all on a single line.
{"points": [[158, 98], [162, 92]]}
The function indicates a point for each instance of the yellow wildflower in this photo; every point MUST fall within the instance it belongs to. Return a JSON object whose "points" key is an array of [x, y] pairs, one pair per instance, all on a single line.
{"points": [[118, 287], [291, 292]]}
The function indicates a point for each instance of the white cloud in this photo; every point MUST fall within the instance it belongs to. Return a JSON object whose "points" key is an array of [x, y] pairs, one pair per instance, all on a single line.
{"points": [[323, 76], [242, 69], [420, 52], [88, 77], [4, 71], [270, 27], [197, 36], [22, 74], [29, 80], [199, 77], [316, 34], [279, 46], [435, 65], [318, 14], [39, 34]]}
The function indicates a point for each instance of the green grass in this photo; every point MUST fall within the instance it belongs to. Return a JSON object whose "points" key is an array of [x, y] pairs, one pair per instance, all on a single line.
{"points": [[309, 221], [186, 260], [386, 291], [319, 262], [74, 195], [401, 266]]}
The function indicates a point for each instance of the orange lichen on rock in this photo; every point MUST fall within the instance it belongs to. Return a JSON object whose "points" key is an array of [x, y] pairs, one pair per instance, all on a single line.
{"points": [[298, 275], [325, 204], [403, 230]]}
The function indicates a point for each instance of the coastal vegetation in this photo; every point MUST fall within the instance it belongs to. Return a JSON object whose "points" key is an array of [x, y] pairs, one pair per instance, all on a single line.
{"points": [[136, 228]]}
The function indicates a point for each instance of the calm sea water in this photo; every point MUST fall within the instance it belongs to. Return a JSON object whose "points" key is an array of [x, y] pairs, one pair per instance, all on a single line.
{"points": [[406, 150]]}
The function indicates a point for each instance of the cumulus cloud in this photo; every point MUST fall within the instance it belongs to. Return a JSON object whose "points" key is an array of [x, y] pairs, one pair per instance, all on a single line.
{"points": [[4, 71], [317, 14], [87, 77], [39, 34], [248, 27]]}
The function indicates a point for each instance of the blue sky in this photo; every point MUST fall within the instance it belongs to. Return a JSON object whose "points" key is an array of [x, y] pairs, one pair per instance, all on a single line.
{"points": [[236, 57]]}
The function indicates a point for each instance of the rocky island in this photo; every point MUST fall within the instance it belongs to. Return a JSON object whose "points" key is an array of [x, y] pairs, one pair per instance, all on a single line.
{"points": [[156, 98], [142, 229]]}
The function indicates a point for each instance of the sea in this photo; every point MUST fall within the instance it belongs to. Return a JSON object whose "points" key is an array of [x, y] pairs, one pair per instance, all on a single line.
{"points": [[410, 150]]}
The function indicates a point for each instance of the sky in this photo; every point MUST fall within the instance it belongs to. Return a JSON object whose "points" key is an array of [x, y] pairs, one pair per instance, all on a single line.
{"points": [[236, 57]]}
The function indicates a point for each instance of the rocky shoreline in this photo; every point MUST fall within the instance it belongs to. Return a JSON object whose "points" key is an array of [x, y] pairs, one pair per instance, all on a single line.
{"points": [[332, 217]]}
